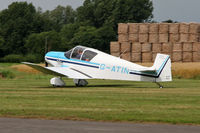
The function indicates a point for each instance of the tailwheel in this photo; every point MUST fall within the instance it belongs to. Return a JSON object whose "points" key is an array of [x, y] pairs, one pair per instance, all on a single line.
{"points": [[160, 86]]}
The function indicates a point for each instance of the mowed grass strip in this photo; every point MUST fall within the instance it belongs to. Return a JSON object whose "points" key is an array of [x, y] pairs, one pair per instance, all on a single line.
{"points": [[31, 96]]}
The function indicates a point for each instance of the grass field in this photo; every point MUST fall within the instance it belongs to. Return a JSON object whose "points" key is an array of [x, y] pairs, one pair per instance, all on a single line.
{"points": [[30, 96]]}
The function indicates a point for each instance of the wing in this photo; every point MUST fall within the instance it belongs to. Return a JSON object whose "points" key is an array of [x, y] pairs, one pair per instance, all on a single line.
{"points": [[60, 71]]}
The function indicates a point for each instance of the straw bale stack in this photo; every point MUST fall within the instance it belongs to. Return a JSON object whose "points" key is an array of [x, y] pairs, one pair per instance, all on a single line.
{"points": [[194, 37], [133, 28], [133, 37], [123, 37], [177, 56], [166, 48], [136, 57], [143, 37], [146, 47], [114, 47], [153, 37], [174, 37], [164, 28], [147, 57], [177, 47], [187, 56], [184, 37], [115, 54], [125, 47], [163, 37], [196, 47], [153, 28], [174, 28], [126, 56], [184, 28], [142, 41], [187, 47], [194, 28], [156, 47], [122, 28], [196, 56], [154, 56], [144, 28], [136, 47]]}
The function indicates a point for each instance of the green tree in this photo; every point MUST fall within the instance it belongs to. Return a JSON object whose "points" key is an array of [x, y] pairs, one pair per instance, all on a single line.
{"points": [[93, 37], [100, 12], [61, 16], [42, 42], [16, 23]]}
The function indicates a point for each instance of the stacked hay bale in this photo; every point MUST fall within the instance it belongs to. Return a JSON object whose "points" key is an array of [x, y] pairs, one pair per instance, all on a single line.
{"points": [[140, 42]]}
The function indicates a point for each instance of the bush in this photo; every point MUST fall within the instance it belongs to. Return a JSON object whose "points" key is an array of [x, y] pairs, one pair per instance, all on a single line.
{"points": [[14, 58], [7, 74], [35, 58]]}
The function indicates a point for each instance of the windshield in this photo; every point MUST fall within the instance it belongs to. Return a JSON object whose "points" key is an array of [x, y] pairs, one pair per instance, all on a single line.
{"points": [[80, 53]]}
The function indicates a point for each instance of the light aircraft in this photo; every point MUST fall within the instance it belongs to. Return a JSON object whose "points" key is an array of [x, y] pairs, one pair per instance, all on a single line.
{"points": [[81, 63]]}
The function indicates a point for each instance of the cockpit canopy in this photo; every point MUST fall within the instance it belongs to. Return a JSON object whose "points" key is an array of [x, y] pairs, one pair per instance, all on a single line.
{"points": [[80, 53]]}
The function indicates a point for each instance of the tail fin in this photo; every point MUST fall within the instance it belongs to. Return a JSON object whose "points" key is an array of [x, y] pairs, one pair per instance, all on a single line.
{"points": [[162, 66]]}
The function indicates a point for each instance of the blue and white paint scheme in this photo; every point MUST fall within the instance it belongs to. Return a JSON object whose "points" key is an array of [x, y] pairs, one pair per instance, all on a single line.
{"points": [[81, 63]]}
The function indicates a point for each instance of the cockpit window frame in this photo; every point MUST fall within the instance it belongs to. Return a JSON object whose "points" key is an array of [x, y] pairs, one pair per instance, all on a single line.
{"points": [[80, 47]]}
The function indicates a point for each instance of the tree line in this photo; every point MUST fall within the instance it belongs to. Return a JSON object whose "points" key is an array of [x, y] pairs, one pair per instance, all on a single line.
{"points": [[27, 33]]}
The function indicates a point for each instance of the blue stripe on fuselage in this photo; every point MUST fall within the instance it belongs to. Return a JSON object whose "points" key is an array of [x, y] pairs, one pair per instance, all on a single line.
{"points": [[55, 56]]}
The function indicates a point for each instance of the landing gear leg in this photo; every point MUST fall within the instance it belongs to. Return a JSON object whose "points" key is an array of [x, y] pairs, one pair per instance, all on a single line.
{"points": [[160, 86]]}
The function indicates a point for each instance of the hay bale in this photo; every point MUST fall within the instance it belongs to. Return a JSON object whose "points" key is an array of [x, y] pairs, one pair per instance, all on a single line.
{"points": [[194, 28], [193, 37], [154, 56], [133, 37], [167, 53], [133, 28], [144, 28], [143, 37], [147, 57], [187, 56], [122, 28], [117, 54], [156, 47], [114, 47], [163, 38], [153, 28], [136, 57], [196, 47], [174, 28], [125, 47], [184, 37], [187, 47], [126, 56], [164, 28], [177, 56], [153, 38], [166, 48], [146, 47], [123, 37], [184, 28], [196, 56], [136, 47], [174, 37], [177, 47]]}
